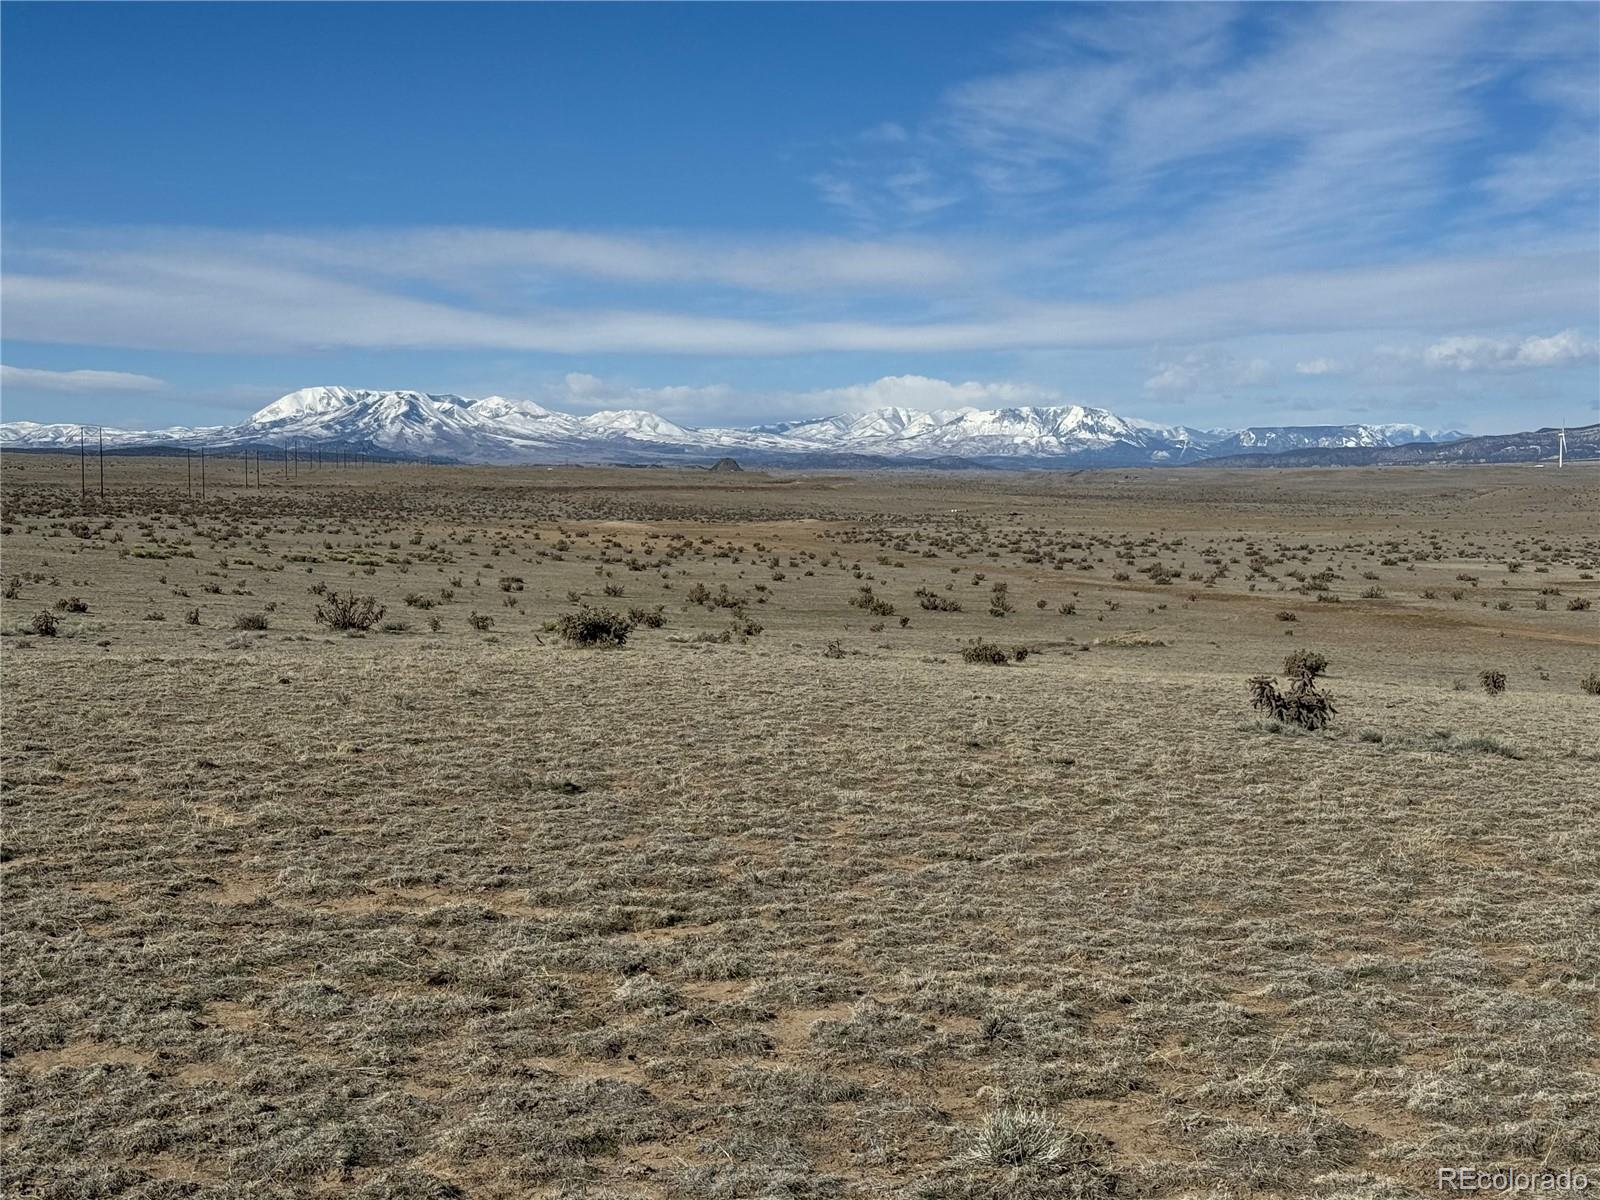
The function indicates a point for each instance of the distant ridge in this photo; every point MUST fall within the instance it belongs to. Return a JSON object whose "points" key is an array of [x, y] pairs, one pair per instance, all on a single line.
{"points": [[412, 425], [1539, 445]]}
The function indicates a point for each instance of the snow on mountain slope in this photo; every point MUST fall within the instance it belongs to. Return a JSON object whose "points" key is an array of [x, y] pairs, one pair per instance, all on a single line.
{"points": [[498, 429]]}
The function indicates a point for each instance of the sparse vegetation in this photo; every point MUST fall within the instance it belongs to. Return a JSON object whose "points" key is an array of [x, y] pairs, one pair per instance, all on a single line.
{"points": [[456, 912]]}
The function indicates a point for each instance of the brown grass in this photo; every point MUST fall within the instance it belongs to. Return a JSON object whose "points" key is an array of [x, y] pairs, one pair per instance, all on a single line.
{"points": [[291, 913]]}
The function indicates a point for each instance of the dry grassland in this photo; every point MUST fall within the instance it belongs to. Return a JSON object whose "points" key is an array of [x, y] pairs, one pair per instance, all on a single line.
{"points": [[783, 898]]}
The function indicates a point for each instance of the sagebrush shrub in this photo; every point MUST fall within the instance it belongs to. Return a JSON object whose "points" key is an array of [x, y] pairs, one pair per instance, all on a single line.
{"points": [[1305, 662], [44, 623], [1492, 681], [594, 627], [1000, 601], [876, 605], [1590, 683], [251, 621], [349, 612], [649, 618], [984, 652]]}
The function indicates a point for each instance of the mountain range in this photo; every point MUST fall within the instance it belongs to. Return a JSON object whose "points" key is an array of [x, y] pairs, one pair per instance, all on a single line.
{"points": [[410, 424]]}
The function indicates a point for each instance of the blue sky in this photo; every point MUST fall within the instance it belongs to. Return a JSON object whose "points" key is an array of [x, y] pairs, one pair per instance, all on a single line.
{"points": [[1203, 214]]}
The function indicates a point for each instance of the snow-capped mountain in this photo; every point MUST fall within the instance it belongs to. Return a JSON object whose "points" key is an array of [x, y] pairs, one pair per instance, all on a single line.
{"points": [[499, 430]]}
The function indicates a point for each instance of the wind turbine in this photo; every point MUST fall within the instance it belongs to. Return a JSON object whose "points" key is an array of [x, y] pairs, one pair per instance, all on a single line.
{"points": [[1561, 448]]}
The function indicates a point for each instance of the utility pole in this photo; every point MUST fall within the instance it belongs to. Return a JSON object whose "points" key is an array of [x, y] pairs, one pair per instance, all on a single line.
{"points": [[83, 468], [202, 474], [102, 429], [188, 459]]}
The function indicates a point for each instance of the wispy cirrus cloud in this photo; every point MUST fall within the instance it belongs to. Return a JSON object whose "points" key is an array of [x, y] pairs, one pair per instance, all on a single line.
{"points": [[1208, 140], [242, 294], [89, 382]]}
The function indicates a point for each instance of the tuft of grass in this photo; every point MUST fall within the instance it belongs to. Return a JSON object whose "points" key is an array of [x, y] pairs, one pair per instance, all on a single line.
{"points": [[1445, 741], [255, 620], [1023, 1136]]}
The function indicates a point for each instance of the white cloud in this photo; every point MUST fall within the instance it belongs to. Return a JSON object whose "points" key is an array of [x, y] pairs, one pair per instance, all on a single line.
{"points": [[1566, 349], [1208, 370], [1318, 366], [924, 394], [579, 391], [39, 380]]}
